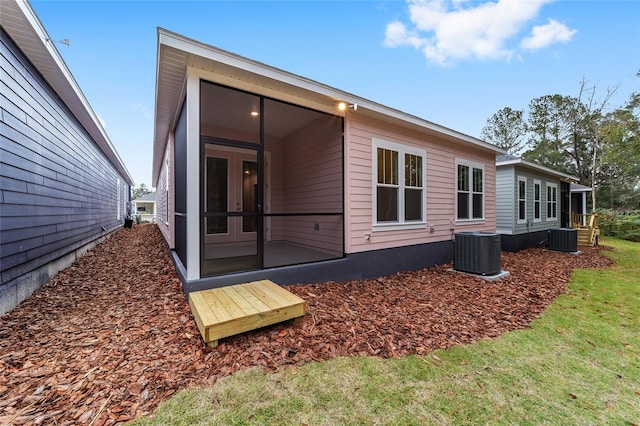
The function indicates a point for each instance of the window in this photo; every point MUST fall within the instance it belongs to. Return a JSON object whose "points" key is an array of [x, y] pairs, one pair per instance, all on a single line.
{"points": [[166, 192], [166, 207], [536, 200], [413, 187], [552, 201], [399, 184], [469, 190], [522, 199], [217, 194], [117, 198]]}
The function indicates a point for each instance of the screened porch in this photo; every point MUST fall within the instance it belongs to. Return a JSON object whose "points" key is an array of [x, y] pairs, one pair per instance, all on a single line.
{"points": [[271, 183]]}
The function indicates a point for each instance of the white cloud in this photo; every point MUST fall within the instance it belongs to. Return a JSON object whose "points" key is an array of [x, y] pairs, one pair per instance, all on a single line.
{"points": [[450, 30], [142, 109], [396, 35], [545, 35]]}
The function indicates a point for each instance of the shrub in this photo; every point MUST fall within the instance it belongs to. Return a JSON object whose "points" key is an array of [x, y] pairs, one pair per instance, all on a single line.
{"points": [[625, 225]]}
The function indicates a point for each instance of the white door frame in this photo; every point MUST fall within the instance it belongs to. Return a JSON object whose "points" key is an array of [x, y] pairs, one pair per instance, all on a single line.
{"points": [[235, 156]]}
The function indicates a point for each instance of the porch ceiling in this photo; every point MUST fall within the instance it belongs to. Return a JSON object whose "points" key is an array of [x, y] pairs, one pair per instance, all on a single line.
{"points": [[177, 53], [222, 106]]}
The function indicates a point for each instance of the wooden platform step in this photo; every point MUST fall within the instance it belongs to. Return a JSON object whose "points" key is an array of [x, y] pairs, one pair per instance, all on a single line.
{"points": [[226, 311], [583, 236]]}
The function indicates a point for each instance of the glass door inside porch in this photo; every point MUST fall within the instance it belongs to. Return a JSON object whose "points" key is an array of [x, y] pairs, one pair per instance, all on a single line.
{"points": [[231, 210]]}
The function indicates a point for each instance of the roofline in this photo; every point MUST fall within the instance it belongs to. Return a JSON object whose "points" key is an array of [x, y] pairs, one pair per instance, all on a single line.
{"points": [[583, 188], [195, 47], [535, 166], [46, 50], [141, 198]]}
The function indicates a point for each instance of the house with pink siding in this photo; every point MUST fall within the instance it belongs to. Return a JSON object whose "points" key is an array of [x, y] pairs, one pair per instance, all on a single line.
{"points": [[264, 174]]}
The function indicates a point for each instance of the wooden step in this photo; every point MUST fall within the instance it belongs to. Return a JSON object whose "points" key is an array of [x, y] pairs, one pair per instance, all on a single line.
{"points": [[226, 311], [584, 236]]}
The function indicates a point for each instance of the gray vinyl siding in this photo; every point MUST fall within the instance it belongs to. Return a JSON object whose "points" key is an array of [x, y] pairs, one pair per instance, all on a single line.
{"points": [[507, 200], [58, 191], [505, 207]]}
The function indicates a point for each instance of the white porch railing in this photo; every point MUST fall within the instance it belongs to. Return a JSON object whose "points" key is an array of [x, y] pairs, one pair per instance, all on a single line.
{"points": [[144, 217]]}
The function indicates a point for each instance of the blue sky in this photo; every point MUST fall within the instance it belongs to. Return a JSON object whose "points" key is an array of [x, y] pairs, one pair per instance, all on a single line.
{"points": [[451, 62]]}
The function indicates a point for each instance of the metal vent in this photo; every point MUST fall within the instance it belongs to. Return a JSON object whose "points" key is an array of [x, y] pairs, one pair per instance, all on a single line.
{"points": [[477, 253], [563, 239]]}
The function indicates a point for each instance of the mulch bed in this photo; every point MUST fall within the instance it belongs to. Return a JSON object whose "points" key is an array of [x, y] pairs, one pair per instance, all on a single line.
{"points": [[112, 336]]}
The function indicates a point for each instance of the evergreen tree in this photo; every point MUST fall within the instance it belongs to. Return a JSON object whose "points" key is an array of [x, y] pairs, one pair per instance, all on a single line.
{"points": [[577, 136], [139, 191], [506, 129]]}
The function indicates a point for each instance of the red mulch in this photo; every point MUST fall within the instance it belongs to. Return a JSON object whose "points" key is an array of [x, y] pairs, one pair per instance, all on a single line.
{"points": [[112, 336]]}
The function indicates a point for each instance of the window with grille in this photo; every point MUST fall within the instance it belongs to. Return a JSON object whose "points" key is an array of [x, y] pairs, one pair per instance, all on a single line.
{"points": [[399, 184], [522, 199], [469, 190], [552, 201]]}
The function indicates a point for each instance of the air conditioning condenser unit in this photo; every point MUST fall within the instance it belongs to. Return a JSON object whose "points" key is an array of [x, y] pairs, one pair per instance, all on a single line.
{"points": [[477, 253], [563, 239]]}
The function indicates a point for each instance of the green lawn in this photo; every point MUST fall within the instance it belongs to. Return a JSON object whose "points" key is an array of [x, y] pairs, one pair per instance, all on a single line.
{"points": [[578, 364]]}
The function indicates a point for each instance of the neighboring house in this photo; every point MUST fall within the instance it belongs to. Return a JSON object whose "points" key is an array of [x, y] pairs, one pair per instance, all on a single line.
{"points": [[63, 186], [261, 173], [145, 207], [531, 199]]}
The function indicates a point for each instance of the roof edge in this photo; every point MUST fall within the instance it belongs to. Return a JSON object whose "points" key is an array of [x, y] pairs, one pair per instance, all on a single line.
{"points": [[86, 116], [198, 48], [535, 166]]}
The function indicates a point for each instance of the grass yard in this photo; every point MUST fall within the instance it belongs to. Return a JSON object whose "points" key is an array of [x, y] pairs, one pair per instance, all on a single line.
{"points": [[578, 364]]}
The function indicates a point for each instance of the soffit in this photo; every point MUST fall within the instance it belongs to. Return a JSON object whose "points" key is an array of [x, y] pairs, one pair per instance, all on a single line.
{"points": [[23, 26]]}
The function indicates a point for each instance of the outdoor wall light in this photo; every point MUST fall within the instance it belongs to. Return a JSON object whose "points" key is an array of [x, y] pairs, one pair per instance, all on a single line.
{"points": [[343, 106], [254, 113], [66, 41]]}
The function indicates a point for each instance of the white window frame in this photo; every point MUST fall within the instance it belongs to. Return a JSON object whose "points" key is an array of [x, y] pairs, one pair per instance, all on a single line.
{"points": [[118, 199], [519, 220], [552, 202], [401, 149], [472, 165], [538, 202], [166, 185]]}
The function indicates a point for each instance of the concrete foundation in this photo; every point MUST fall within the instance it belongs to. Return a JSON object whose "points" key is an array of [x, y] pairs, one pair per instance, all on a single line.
{"points": [[22, 287]]}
